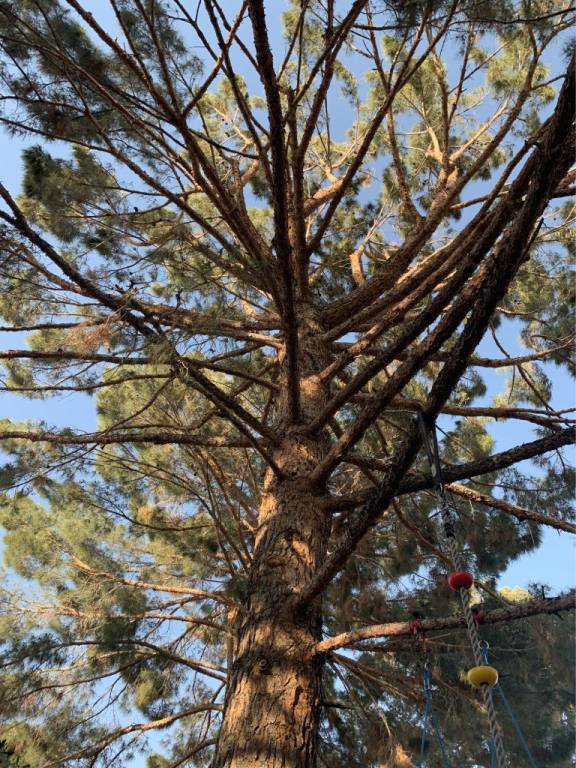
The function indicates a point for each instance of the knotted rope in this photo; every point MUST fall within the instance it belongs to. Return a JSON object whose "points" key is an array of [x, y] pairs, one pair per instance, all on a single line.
{"points": [[430, 442]]}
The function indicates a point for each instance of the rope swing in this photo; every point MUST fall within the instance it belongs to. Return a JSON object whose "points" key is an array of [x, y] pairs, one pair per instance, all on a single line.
{"points": [[481, 676]]}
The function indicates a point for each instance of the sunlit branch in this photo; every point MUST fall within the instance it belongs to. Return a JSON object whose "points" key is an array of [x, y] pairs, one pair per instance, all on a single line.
{"points": [[524, 515], [556, 157], [404, 628], [112, 437], [163, 722], [197, 594], [453, 472]]}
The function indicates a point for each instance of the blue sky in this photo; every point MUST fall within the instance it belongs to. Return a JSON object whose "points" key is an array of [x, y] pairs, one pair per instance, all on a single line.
{"points": [[554, 562]]}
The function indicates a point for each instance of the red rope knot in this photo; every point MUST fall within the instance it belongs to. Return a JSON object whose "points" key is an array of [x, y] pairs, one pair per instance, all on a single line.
{"points": [[417, 628], [479, 615]]}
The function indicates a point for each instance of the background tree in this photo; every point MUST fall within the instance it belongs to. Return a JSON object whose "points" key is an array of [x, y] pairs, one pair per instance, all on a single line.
{"points": [[263, 259]]}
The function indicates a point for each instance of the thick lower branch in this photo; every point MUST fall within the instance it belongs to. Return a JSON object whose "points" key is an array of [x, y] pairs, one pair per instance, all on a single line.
{"points": [[165, 437], [404, 628]]}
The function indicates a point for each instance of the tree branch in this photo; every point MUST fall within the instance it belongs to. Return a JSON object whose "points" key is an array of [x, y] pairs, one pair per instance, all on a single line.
{"points": [[165, 437], [163, 722], [197, 594], [524, 515], [450, 473], [404, 628], [279, 190], [556, 156]]}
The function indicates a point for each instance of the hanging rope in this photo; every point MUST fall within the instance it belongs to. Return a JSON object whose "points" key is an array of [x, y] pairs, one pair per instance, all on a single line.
{"points": [[430, 441], [493, 758], [495, 733], [484, 647], [425, 724], [497, 747], [430, 714]]}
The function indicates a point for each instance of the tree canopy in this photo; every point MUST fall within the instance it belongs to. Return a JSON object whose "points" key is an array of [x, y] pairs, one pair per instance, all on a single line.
{"points": [[260, 244]]}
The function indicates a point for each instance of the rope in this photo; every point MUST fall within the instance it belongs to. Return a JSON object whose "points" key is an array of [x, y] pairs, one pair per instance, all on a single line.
{"points": [[517, 728], [424, 724], [445, 762], [511, 715], [495, 733], [430, 714], [471, 627], [430, 440], [498, 754], [493, 757]]}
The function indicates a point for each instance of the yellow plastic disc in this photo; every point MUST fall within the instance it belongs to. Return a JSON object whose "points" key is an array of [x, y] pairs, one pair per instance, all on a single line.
{"points": [[479, 676]]}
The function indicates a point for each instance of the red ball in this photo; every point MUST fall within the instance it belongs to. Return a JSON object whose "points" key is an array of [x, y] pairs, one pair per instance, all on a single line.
{"points": [[460, 580]]}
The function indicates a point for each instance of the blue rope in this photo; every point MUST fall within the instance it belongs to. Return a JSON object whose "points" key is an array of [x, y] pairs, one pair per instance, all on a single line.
{"points": [[424, 729], [492, 756], [517, 728], [429, 713], [511, 715], [438, 733]]}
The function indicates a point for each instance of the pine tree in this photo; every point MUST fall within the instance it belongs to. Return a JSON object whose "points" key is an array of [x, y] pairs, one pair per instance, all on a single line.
{"points": [[262, 246]]}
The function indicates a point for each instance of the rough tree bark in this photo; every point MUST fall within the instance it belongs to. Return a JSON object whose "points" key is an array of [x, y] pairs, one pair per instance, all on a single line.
{"points": [[274, 696]]}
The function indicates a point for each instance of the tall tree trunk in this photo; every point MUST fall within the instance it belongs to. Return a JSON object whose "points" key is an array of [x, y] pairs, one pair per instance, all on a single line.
{"points": [[274, 695]]}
